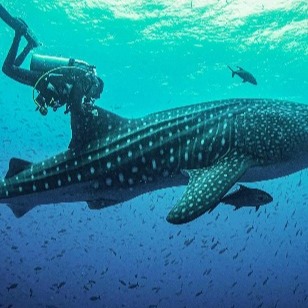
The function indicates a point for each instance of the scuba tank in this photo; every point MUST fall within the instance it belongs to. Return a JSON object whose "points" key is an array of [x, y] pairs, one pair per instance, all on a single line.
{"points": [[43, 63]]}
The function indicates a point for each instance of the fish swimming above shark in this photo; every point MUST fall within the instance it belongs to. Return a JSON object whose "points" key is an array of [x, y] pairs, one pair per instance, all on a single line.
{"points": [[246, 76], [208, 147]]}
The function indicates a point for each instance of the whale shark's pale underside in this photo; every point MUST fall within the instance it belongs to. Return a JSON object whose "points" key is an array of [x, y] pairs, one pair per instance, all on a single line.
{"points": [[208, 147]]}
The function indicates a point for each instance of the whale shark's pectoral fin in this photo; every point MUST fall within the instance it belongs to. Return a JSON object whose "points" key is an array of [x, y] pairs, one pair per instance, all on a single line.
{"points": [[207, 186]]}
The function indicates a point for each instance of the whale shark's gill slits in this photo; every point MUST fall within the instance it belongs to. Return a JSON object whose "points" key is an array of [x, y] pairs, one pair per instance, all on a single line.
{"points": [[152, 124], [174, 117], [179, 136]]}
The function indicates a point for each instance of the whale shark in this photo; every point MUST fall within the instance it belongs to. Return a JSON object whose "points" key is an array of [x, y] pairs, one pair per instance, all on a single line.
{"points": [[208, 147]]}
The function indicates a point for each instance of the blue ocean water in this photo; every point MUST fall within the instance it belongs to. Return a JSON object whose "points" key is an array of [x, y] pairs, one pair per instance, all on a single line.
{"points": [[154, 56]]}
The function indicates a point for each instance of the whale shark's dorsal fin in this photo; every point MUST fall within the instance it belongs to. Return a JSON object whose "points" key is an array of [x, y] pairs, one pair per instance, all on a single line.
{"points": [[16, 165], [87, 126]]}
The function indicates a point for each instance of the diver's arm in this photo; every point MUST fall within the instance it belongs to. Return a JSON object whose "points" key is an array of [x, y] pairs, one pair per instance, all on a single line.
{"points": [[74, 104], [15, 72], [77, 113], [82, 114]]}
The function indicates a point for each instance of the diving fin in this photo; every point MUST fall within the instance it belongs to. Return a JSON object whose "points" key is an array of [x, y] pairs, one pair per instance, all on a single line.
{"points": [[19, 25]]}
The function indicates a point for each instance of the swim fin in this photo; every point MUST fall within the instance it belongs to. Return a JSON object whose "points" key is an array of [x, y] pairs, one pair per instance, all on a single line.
{"points": [[19, 25]]}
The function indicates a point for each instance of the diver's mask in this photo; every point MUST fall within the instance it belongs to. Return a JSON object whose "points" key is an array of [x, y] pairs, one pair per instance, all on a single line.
{"points": [[95, 88]]}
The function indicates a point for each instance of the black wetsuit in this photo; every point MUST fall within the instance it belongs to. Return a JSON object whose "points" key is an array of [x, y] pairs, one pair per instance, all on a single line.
{"points": [[11, 67], [80, 113]]}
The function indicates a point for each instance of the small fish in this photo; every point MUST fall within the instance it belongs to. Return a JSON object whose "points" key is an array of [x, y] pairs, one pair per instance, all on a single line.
{"points": [[198, 293], [223, 250], [113, 252], [156, 289], [189, 241], [61, 284], [249, 229], [214, 245], [133, 285], [12, 286], [247, 197], [95, 298], [246, 76], [122, 282]]}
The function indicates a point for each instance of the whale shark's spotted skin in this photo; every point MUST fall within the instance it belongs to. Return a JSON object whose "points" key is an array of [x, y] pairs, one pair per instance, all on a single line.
{"points": [[216, 144]]}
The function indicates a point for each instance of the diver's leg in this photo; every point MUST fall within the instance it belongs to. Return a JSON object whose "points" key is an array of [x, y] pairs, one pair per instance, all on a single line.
{"points": [[6, 16], [22, 56], [11, 56], [21, 29], [17, 73]]}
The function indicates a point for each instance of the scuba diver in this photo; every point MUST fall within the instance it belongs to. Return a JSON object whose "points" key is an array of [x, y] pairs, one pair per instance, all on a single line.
{"points": [[58, 81]]}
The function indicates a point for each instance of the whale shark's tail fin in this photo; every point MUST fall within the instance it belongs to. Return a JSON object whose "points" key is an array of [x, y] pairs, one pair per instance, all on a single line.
{"points": [[233, 72]]}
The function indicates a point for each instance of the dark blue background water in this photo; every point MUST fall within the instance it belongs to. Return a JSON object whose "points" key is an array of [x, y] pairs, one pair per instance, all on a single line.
{"points": [[154, 57]]}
